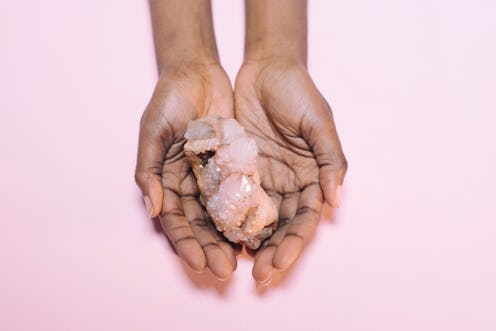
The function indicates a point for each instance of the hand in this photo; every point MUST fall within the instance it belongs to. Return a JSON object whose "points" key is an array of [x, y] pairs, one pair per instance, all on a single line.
{"points": [[301, 162], [163, 173]]}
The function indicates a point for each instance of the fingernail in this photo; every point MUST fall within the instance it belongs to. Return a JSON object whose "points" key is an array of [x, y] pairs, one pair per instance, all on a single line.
{"points": [[148, 205], [265, 282], [338, 196], [222, 279]]}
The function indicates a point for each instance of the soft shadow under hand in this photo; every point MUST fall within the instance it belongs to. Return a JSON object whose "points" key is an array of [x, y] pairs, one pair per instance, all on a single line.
{"points": [[204, 280], [281, 279]]}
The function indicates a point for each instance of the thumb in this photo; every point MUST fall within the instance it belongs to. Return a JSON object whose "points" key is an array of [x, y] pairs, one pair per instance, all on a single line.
{"points": [[151, 156], [322, 137]]}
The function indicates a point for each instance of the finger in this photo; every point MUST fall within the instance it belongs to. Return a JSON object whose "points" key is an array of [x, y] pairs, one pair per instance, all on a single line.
{"points": [[287, 210], [300, 229], [262, 267], [276, 198], [178, 229], [331, 181], [230, 253], [230, 249], [263, 264], [218, 261], [152, 147], [321, 134]]}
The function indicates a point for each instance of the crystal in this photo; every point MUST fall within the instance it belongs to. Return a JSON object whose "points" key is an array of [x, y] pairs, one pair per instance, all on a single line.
{"points": [[224, 161]]}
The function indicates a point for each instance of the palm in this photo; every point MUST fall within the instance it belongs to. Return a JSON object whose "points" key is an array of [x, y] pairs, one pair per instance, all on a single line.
{"points": [[275, 105], [180, 97], [287, 164], [193, 94]]}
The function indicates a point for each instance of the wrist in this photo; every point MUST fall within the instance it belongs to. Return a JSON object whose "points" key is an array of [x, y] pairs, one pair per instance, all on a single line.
{"points": [[275, 52], [183, 33], [184, 57], [276, 29], [273, 62]]}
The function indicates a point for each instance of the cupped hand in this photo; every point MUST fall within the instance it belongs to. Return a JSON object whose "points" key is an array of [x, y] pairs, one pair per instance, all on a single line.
{"points": [[163, 173], [301, 162]]}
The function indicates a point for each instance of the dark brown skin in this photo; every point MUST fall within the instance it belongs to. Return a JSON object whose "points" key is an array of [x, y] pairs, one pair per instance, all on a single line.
{"points": [[301, 162], [300, 156], [191, 84]]}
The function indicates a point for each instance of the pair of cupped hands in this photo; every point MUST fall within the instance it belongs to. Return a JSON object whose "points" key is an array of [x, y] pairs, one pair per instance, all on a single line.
{"points": [[300, 161]]}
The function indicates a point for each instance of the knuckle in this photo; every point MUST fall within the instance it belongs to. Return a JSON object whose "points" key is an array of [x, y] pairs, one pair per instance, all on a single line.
{"points": [[307, 209], [343, 163], [143, 177], [140, 177], [328, 159], [173, 214], [144, 117], [144, 173], [198, 222], [334, 161]]}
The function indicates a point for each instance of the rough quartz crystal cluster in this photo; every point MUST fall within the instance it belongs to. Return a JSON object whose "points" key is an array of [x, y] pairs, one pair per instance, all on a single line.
{"points": [[224, 158]]}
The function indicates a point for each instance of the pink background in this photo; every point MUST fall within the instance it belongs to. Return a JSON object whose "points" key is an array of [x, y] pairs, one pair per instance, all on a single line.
{"points": [[412, 84]]}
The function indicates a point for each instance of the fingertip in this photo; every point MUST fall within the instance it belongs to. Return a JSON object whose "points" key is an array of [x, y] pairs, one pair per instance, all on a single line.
{"points": [[192, 254], [156, 196], [266, 279], [153, 194], [218, 262], [337, 196], [262, 267], [230, 254], [332, 194], [266, 282], [327, 192], [197, 263], [148, 205], [223, 275], [287, 252]]}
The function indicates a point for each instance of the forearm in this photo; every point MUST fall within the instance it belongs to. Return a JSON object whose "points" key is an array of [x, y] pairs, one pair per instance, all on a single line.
{"points": [[182, 32], [276, 28]]}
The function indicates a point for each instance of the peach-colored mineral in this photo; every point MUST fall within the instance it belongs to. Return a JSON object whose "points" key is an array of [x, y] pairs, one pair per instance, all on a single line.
{"points": [[224, 160]]}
